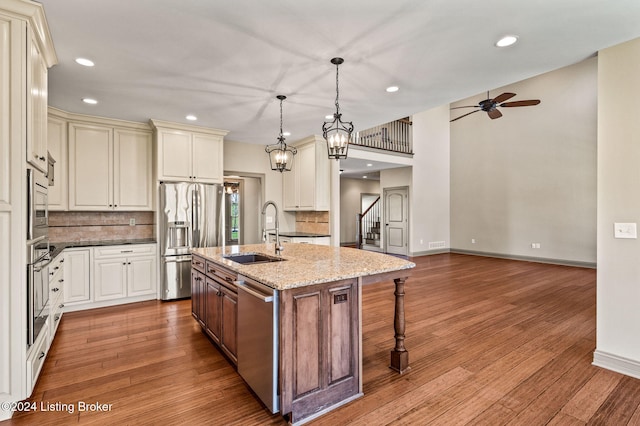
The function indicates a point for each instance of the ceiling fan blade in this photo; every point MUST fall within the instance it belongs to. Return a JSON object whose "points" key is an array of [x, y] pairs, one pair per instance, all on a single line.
{"points": [[466, 106], [494, 113], [503, 97], [529, 102], [463, 115]]}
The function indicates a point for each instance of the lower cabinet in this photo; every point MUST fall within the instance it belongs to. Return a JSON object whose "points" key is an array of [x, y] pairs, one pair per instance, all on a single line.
{"points": [[198, 295], [124, 271], [109, 275], [215, 304], [77, 276], [319, 352]]}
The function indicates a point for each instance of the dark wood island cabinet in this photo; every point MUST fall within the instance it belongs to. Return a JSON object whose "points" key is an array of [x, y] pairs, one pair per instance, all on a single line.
{"points": [[318, 291]]}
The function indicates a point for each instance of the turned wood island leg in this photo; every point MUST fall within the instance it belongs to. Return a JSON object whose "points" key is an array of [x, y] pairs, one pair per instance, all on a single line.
{"points": [[399, 355]]}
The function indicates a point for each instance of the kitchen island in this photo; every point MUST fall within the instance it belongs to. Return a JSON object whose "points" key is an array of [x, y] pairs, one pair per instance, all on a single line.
{"points": [[317, 304]]}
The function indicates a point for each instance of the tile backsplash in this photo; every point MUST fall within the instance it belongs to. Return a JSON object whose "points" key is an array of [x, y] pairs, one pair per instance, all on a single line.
{"points": [[314, 222], [100, 226]]}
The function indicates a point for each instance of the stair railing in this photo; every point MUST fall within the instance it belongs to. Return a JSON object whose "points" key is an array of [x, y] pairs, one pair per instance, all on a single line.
{"points": [[366, 221], [395, 136]]}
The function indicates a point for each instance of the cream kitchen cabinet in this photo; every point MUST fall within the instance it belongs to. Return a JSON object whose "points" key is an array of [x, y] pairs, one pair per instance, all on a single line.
{"points": [[56, 291], [307, 185], [77, 276], [36, 106], [124, 271], [110, 168], [188, 153], [57, 147]]}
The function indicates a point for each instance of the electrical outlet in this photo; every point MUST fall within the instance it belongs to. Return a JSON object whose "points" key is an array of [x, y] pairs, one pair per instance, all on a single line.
{"points": [[421, 241], [473, 241], [535, 245], [132, 222]]}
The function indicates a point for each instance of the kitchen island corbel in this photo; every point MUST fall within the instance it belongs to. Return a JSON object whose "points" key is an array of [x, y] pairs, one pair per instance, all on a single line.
{"points": [[318, 313]]}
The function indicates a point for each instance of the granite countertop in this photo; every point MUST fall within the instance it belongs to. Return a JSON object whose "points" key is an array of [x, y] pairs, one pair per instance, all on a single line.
{"points": [[57, 247], [294, 234], [305, 264]]}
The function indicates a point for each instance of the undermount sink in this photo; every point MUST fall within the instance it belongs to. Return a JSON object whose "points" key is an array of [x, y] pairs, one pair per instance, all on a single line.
{"points": [[252, 258]]}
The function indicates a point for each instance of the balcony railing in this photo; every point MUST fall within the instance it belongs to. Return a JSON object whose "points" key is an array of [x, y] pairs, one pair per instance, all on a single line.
{"points": [[395, 136]]}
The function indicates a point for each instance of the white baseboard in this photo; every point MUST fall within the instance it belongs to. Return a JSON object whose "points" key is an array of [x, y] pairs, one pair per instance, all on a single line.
{"points": [[617, 363]]}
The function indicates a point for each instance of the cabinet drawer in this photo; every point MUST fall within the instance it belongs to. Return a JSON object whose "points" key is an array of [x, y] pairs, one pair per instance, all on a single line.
{"points": [[36, 358], [198, 263], [124, 250], [56, 314], [214, 270]]}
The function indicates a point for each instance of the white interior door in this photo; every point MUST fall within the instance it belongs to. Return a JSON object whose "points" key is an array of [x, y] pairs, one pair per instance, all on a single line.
{"points": [[396, 220]]}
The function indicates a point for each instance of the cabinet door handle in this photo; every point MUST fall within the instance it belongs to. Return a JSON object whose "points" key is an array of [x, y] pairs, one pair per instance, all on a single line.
{"points": [[61, 260], [126, 251], [61, 280], [124, 263], [229, 280], [55, 289], [128, 263], [61, 306], [41, 355]]}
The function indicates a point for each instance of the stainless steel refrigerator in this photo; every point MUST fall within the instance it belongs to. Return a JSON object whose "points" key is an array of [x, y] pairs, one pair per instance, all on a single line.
{"points": [[190, 216]]}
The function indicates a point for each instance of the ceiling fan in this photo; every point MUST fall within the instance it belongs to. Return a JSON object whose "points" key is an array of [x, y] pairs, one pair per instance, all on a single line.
{"points": [[490, 106]]}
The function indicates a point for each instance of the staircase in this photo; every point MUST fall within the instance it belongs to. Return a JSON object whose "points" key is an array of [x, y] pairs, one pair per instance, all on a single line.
{"points": [[368, 228]]}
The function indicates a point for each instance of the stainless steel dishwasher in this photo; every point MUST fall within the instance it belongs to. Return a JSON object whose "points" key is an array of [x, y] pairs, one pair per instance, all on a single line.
{"points": [[258, 339]]}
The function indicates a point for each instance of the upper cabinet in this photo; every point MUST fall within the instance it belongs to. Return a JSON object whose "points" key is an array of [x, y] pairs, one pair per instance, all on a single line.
{"points": [[36, 106], [57, 147], [188, 153], [110, 166], [307, 186]]}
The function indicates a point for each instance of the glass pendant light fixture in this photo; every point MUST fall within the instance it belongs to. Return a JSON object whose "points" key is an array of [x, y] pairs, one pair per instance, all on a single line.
{"points": [[337, 133], [281, 155]]}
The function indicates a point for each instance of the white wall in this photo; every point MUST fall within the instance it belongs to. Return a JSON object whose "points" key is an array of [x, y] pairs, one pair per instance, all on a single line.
{"points": [[251, 158], [530, 176], [350, 190], [429, 196], [618, 277]]}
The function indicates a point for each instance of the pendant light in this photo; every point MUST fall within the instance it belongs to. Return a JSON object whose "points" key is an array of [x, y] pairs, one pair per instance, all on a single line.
{"points": [[337, 133], [281, 155]]}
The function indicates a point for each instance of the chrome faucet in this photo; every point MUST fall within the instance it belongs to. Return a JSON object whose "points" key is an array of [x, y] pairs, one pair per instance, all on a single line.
{"points": [[279, 247]]}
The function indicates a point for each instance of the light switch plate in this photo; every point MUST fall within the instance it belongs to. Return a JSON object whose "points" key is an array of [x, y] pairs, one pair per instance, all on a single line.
{"points": [[625, 230]]}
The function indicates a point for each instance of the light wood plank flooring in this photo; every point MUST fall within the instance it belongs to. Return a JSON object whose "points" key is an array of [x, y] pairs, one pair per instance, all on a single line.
{"points": [[491, 342]]}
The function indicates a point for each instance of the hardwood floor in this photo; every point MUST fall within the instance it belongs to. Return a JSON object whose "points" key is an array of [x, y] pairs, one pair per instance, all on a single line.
{"points": [[491, 342]]}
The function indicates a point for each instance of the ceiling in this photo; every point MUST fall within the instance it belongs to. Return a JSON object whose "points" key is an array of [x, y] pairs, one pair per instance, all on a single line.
{"points": [[226, 60]]}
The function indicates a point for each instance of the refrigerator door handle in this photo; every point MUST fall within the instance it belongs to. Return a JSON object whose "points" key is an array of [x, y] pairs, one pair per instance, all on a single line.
{"points": [[195, 230]]}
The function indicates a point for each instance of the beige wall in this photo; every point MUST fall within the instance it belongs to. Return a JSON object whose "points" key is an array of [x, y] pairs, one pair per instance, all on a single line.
{"points": [[251, 158], [429, 197], [618, 295], [530, 176]]}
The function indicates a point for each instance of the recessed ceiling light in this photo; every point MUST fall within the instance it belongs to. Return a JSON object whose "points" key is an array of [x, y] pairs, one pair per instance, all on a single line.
{"points": [[369, 165], [392, 89], [191, 117], [328, 117], [89, 101], [364, 177], [286, 133], [85, 62], [507, 41]]}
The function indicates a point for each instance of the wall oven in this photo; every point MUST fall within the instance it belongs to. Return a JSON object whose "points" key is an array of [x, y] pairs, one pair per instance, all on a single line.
{"points": [[37, 254], [37, 288]]}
